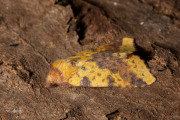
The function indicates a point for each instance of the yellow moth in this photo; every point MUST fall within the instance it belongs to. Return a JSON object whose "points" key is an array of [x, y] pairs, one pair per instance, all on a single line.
{"points": [[107, 66]]}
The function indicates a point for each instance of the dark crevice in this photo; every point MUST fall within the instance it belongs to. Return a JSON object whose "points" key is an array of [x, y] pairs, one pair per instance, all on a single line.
{"points": [[90, 22], [62, 2], [143, 54], [1, 20], [1, 62], [113, 115], [85, 14], [78, 26], [30, 75], [14, 45], [81, 29]]}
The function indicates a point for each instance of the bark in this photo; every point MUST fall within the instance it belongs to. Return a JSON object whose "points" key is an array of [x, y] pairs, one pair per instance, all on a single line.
{"points": [[33, 34]]}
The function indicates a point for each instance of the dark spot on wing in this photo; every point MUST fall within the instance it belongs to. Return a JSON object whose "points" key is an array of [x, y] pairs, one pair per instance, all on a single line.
{"points": [[132, 79], [85, 82], [101, 64], [138, 82], [83, 68], [124, 76], [111, 80], [99, 74], [114, 70], [130, 73]]}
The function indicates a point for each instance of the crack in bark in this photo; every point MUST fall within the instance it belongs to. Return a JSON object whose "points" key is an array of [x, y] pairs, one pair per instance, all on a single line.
{"points": [[24, 41], [112, 115], [37, 52]]}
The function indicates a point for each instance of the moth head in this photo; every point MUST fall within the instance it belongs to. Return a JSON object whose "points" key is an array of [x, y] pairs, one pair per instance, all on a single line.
{"points": [[54, 77], [59, 74]]}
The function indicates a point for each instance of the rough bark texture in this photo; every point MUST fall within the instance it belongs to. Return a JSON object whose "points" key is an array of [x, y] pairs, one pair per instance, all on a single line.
{"points": [[35, 33]]}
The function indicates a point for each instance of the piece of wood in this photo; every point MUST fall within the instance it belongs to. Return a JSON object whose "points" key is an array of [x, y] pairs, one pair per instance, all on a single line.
{"points": [[33, 34]]}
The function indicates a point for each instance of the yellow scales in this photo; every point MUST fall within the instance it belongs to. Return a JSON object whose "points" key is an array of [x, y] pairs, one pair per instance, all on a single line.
{"points": [[107, 66]]}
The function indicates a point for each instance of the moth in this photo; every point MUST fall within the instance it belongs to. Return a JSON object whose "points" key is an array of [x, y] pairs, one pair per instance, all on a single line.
{"points": [[110, 65]]}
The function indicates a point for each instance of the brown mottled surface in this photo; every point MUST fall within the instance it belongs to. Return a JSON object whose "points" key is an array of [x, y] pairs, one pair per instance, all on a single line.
{"points": [[35, 33]]}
